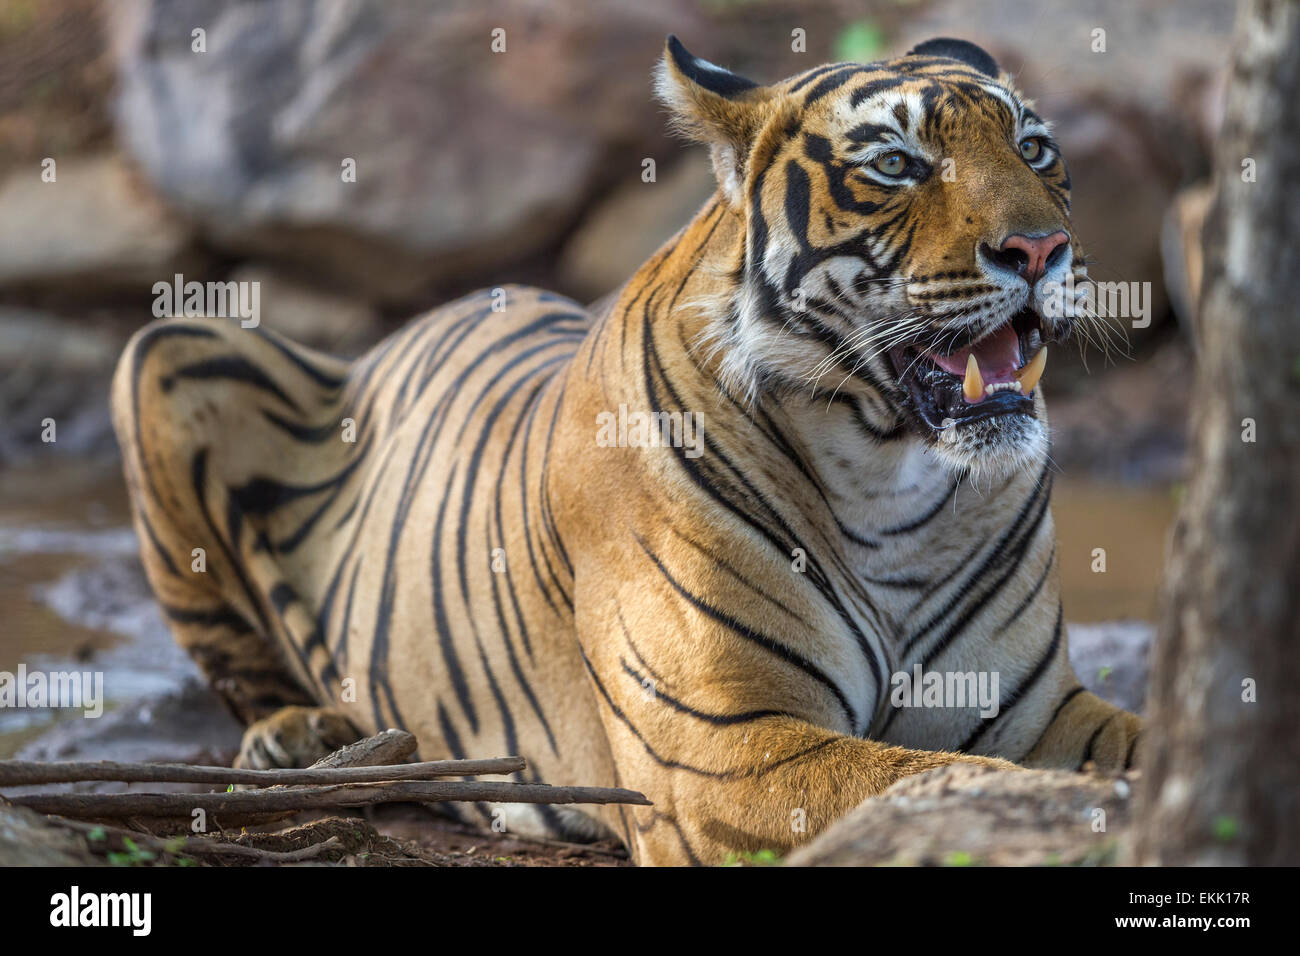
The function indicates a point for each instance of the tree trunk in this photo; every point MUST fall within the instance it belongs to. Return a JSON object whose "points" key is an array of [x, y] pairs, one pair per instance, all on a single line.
{"points": [[1221, 755]]}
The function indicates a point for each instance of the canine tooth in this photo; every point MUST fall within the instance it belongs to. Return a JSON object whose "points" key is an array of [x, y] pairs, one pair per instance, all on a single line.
{"points": [[1031, 373], [973, 385]]}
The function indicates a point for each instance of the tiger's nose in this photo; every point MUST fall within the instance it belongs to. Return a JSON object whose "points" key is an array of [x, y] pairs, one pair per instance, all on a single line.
{"points": [[1029, 256]]}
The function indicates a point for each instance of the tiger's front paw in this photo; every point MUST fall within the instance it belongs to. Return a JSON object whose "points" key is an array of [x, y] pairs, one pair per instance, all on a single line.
{"points": [[294, 737]]}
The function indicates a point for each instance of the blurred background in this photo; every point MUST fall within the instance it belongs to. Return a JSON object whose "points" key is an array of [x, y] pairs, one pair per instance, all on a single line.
{"points": [[475, 168]]}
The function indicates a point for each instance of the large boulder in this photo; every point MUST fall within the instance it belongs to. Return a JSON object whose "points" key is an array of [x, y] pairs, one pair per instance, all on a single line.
{"points": [[302, 311], [963, 815], [467, 160], [95, 229], [30, 839], [624, 231], [60, 369]]}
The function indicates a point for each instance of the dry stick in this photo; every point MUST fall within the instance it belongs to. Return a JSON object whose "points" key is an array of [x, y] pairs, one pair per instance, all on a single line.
{"points": [[278, 856], [197, 846], [15, 773], [385, 747], [117, 805]]}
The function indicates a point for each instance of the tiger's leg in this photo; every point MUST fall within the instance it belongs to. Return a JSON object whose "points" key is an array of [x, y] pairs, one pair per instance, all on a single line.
{"points": [[739, 746], [1086, 728], [769, 784], [179, 395]]}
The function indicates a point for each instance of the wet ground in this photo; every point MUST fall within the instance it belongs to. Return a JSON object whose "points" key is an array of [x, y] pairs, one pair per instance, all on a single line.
{"points": [[73, 594]]}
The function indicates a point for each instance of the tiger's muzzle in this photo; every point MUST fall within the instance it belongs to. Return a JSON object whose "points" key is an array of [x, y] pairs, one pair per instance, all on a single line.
{"points": [[988, 376]]}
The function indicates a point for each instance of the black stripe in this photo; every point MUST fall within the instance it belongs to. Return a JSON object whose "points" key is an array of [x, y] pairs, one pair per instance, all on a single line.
{"points": [[233, 368], [1132, 748], [928, 516], [718, 720], [1092, 741], [220, 617], [294, 354], [773, 646], [1061, 706], [1020, 692], [143, 346], [635, 731]]}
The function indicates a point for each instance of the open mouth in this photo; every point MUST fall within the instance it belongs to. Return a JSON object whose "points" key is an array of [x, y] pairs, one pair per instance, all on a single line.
{"points": [[993, 376]]}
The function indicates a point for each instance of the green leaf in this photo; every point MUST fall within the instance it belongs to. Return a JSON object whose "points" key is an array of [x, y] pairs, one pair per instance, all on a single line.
{"points": [[1225, 828], [758, 858], [859, 42]]}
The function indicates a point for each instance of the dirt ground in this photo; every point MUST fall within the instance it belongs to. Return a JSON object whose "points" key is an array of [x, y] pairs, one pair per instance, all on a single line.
{"points": [[454, 845], [405, 836], [190, 726]]}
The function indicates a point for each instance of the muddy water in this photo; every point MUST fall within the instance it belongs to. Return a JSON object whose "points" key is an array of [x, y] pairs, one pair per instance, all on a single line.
{"points": [[51, 521], [1130, 524], [72, 595]]}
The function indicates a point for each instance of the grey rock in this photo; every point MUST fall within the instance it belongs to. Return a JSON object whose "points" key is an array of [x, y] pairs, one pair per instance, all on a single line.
{"points": [[336, 324], [624, 231], [963, 815], [57, 369], [29, 839], [463, 156], [1112, 660], [96, 228]]}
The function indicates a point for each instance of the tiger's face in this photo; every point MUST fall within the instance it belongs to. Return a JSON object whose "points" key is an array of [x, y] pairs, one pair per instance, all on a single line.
{"points": [[906, 224]]}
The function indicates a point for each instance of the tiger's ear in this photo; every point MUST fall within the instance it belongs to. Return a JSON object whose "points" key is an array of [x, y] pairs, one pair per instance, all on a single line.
{"points": [[962, 50], [712, 106]]}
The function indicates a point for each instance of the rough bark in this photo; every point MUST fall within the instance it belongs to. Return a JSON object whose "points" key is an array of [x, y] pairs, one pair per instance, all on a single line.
{"points": [[1221, 779]]}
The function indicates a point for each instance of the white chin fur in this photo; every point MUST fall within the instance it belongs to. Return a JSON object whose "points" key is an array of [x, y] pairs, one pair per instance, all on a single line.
{"points": [[994, 449]]}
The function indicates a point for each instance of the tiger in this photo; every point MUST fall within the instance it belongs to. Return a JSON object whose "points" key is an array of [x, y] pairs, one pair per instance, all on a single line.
{"points": [[691, 540]]}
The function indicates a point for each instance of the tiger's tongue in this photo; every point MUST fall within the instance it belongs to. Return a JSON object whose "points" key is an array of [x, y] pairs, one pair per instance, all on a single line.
{"points": [[998, 356]]}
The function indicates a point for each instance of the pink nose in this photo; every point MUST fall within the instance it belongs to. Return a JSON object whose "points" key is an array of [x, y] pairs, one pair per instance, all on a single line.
{"points": [[1030, 256]]}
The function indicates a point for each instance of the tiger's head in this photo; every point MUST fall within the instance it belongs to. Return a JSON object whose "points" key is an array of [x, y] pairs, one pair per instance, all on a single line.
{"points": [[905, 224]]}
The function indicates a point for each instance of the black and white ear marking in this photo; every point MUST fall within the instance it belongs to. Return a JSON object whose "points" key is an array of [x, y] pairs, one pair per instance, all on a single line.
{"points": [[708, 75], [962, 50], [713, 106]]}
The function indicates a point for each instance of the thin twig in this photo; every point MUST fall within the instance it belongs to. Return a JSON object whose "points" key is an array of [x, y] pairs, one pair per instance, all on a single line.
{"points": [[16, 773], [117, 805]]}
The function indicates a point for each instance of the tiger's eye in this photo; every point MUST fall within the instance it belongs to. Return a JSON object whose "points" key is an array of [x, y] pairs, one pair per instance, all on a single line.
{"points": [[891, 164], [1031, 149]]}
